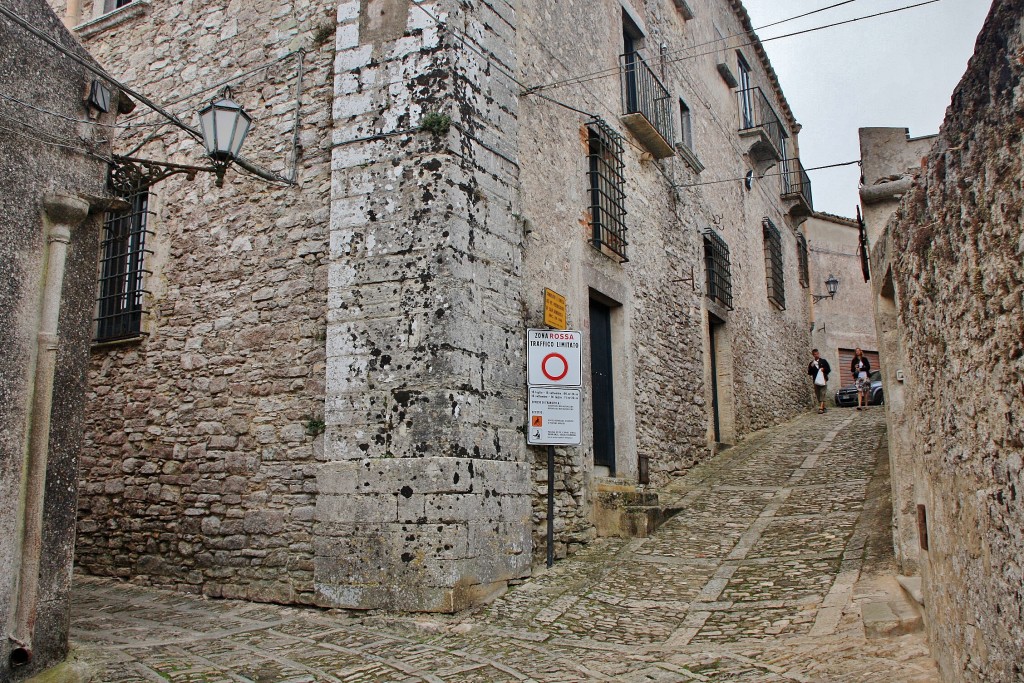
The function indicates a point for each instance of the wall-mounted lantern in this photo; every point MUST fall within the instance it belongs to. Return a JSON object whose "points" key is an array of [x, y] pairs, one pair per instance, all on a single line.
{"points": [[223, 124], [831, 286]]}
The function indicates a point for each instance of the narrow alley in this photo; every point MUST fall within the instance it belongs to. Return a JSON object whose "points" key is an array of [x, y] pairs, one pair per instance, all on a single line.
{"points": [[778, 568]]}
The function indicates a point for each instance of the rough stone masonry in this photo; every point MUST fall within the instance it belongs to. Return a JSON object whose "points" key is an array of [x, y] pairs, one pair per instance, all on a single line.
{"points": [[327, 401], [950, 274]]}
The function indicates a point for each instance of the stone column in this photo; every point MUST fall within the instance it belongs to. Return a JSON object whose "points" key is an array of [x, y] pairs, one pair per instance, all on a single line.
{"points": [[63, 212], [424, 498]]}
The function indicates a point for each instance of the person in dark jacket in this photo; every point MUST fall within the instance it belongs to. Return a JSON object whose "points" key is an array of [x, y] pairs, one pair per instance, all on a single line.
{"points": [[860, 368], [817, 365]]}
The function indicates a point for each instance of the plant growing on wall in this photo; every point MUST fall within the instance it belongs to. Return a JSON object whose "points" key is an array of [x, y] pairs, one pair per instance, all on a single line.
{"points": [[435, 122]]}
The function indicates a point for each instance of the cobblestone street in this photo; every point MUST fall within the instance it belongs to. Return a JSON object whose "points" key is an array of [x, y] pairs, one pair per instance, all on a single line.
{"points": [[763, 576]]}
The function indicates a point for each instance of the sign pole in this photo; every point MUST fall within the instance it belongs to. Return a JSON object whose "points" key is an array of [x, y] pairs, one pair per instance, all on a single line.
{"points": [[551, 505]]}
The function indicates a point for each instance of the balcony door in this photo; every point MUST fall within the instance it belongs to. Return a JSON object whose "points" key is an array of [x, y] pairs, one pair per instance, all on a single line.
{"points": [[746, 93], [632, 38]]}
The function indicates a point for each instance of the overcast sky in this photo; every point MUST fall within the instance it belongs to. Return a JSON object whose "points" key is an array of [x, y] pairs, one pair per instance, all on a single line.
{"points": [[895, 70]]}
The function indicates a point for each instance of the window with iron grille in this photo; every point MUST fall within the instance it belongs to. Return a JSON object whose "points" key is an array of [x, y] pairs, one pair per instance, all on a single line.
{"points": [[123, 251], [718, 274], [801, 255], [773, 264], [607, 193]]}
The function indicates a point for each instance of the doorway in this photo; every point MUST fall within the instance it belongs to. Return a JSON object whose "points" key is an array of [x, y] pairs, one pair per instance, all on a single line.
{"points": [[602, 392], [713, 325]]}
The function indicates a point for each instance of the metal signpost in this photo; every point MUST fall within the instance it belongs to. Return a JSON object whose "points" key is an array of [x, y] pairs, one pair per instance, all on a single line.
{"points": [[554, 373]]}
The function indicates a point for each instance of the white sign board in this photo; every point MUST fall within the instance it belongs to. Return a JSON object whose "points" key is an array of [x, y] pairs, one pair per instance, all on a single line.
{"points": [[554, 358], [554, 417]]}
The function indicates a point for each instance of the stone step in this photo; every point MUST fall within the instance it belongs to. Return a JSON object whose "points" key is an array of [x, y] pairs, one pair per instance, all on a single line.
{"points": [[630, 511], [887, 609]]}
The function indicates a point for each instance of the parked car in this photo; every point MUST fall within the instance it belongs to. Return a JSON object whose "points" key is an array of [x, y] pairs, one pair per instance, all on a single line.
{"points": [[847, 396]]}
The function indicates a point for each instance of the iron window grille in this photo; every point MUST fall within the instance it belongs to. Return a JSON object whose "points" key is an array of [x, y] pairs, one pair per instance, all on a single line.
{"points": [[717, 269], [773, 264], [801, 255], [123, 252], [607, 189]]}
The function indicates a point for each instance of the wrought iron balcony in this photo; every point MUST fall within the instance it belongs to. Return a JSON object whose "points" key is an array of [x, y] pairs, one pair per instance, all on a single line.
{"points": [[796, 188], [761, 126], [647, 105]]}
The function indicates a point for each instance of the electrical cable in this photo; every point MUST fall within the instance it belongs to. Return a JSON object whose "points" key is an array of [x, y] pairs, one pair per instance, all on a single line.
{"points": [[99, 71], [770, 175], [72, 118], [237, 78], [617, 70], [799, 16], [81, 150]]}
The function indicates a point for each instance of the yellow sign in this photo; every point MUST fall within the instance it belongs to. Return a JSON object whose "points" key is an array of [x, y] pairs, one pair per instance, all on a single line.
{"points": [[554, 309]]}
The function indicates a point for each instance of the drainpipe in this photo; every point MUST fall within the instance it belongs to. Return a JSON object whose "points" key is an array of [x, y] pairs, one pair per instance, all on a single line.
{"points": [[73, 15], [63, 212], [891, 190]]}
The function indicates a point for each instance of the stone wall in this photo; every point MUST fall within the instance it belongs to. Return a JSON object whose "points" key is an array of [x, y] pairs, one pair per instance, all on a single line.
{"points": [[659, 316], [385, 299], [51, 146], [425, 499], [199, 466], [949, 266]]}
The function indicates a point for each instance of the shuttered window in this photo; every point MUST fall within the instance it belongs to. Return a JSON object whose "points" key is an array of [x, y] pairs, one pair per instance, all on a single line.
{"points": [[773, 264]]}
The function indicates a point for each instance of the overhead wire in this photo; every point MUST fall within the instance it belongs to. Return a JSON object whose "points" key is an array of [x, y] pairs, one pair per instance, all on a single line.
{"points": [[99, 71], [52, 143], [617, 70], [767, 175]]}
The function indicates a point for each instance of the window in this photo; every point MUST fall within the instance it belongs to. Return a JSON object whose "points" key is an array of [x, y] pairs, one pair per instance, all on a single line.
{"points": [[773, 264], [607, 194], [747, 93], [801, 255], [111, 5], [685, 126], [123, 250], [718, 274]]}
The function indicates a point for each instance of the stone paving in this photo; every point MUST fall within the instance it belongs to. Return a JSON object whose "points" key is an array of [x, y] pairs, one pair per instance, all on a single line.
{"points": [[756, 580]]}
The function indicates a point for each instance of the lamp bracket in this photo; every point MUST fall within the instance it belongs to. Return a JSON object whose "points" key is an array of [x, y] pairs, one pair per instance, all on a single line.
{"points": [[131, 174], [819, 297]]}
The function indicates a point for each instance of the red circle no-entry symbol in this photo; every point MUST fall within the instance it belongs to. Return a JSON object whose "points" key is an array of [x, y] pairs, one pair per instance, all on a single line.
{"points": [[550, 374]]}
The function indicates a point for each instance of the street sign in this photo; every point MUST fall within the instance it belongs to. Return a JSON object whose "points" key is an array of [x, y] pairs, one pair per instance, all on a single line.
{"points": [[554, 309], [554, 417], [554, 358]]}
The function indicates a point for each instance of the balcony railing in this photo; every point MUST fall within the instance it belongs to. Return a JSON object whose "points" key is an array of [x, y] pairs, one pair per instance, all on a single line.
{"points": [[758, 118], [796, 185], [647, 106]]}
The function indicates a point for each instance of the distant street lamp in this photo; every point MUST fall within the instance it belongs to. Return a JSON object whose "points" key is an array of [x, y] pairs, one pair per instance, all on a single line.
{"points": [[831, 285]]}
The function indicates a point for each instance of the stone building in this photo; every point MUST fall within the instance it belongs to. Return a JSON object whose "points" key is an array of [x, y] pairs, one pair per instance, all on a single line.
{"points": [[846, 321], [54, 138], [948, 287], [324, 400]]}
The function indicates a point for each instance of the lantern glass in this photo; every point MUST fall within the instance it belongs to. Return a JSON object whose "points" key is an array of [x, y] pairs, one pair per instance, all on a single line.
{"points": [[832, 285], [224, 125]]}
